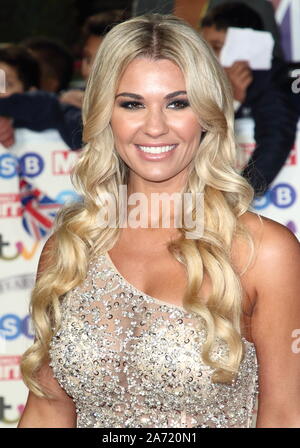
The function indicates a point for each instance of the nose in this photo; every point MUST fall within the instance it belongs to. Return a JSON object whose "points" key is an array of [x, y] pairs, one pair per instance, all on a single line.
{"points": [[155, 123]]}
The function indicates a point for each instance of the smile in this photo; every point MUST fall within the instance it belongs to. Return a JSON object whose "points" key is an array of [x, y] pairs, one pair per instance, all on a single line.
{"points": [[156, 149]]}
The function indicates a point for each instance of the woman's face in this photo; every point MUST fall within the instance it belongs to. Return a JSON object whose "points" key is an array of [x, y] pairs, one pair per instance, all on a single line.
{"points": [[155, 130]]}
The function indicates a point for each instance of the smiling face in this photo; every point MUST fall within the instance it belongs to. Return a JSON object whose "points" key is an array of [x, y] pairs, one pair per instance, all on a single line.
{"points": [[155, 130]]}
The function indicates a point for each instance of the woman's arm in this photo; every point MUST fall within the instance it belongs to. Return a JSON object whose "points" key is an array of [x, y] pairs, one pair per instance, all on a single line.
{"points": [[275, 321], [59, 412]]}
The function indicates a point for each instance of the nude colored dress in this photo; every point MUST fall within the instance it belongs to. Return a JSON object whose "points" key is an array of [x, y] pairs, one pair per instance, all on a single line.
{"points": [[130, 360]]}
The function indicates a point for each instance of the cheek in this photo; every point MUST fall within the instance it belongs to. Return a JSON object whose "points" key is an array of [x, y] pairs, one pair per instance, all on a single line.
{"points": [[123, 129], [119, 131], [190, 130]]}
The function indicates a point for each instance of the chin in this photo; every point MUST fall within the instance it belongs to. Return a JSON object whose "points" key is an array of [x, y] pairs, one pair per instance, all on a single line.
{"points": [[157, 177]]}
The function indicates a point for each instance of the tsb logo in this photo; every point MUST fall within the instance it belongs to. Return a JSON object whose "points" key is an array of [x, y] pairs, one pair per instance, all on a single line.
{"points": [[281, 196], [12, 326], [30, 165]]}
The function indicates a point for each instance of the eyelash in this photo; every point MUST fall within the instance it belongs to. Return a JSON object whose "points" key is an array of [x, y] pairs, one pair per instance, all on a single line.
{"points": [[136, 105]]}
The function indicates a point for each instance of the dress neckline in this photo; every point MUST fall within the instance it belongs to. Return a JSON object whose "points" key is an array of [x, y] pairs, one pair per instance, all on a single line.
{"points": [[140, 292], [155, 299]]}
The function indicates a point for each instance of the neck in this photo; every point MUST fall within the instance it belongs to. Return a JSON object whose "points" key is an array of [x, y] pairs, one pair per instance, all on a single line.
{"points": [[155, 204]]}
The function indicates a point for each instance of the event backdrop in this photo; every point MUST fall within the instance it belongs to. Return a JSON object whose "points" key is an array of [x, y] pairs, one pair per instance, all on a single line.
{"points": [[34, 182]]}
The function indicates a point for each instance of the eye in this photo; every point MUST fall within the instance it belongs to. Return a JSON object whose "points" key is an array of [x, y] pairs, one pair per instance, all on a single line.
{"points": [[179, 104], [131, 105]]}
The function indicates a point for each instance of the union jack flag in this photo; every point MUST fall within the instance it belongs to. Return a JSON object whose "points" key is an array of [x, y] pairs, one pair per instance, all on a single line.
{"points": [[38, 210]]}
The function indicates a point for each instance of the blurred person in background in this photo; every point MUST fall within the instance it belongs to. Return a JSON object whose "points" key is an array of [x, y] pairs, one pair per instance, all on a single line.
{"points": [[22, 74], [56, 63], [263, 94], [39, 110], [56, 108], [21, 70], [265, 10], [94, 29]]}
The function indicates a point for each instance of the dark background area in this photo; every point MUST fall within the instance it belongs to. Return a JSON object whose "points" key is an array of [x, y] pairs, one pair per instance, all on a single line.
{"points": [[59, 19]]}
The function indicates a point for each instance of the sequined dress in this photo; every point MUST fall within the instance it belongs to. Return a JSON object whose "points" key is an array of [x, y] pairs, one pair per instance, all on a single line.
{"points": [[129, 360]]}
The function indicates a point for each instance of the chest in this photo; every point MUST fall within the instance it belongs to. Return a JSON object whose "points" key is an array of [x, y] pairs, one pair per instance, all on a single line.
{"points": [[160, 275]]}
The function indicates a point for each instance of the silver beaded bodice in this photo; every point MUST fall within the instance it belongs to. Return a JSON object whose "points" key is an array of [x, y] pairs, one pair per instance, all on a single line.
{"points": [[130, 360]]}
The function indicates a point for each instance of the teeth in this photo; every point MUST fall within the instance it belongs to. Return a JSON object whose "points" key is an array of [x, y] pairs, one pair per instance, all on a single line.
{"points": [[156, 149]]}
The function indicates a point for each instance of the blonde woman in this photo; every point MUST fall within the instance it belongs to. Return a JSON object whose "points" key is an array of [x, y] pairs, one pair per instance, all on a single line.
{"points": [[144, 326]]}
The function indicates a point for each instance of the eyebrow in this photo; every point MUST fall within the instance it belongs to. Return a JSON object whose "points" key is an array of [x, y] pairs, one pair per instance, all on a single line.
{"points": [[140, 97]]}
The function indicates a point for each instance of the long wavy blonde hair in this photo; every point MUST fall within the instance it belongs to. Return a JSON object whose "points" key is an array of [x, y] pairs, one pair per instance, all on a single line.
{"points": [[99, 170]]}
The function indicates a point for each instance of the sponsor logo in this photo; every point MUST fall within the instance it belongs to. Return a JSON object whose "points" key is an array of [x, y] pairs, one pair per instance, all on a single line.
{"points": [[292, 158], [63, 162], [30, 165], [67, 196], [10, 368], [281, 195], [5, 407], [13, 326], [16, 283], [10, 203], [19, 250], [10, 206]]}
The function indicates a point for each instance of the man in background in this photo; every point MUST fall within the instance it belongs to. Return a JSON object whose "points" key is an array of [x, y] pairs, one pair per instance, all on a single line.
{"points": [[262, 94], [55, 61], [93, 32]]}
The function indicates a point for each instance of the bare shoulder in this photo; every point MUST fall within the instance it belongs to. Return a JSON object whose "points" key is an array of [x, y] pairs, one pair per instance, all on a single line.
{"points": [[275, 247], [272, 239], [277, 251]]}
